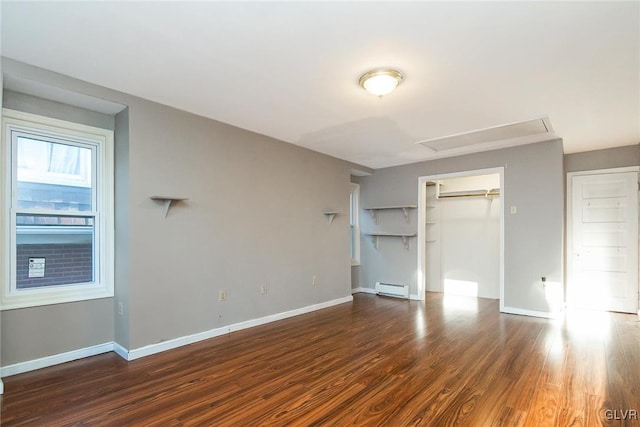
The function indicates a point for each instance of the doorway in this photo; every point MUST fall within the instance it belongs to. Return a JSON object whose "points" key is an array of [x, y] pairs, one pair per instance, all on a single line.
{"points": [[602, 247], [461, 234]]}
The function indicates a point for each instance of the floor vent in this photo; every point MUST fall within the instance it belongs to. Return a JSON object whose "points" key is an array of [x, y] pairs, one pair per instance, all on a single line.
{"points": [[392, 290]]}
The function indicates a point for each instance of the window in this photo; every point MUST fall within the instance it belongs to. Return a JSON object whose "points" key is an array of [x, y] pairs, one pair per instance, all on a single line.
{"points": [[57, 211], [354, 222]]}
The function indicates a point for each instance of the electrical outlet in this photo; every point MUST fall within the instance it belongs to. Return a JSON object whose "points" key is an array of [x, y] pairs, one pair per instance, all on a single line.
{"points": [[544, 281], [263, 288], [314, 280], [222, 295], [120, 308]]}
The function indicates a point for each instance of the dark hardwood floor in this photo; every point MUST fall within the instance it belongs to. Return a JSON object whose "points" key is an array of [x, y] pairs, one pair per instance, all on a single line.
{"points": [[377, 361]]}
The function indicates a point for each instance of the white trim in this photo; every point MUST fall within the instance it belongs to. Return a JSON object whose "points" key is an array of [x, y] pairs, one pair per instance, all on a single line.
{"points": [[503, 212], [568, 260], [422, 215], [421, 285], [605, 171], [1, 387], [129, 355], [363, 290], [354, 221], [56, 359], [121, 351], [415, 297], [102, 141], [532, 313], [190, 339]]}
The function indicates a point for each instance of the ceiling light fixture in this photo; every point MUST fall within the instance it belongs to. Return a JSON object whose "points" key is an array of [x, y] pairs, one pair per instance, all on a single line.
{"points": [[381, 81]]}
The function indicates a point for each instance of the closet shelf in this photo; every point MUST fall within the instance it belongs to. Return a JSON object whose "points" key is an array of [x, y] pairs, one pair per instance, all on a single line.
{"points": [[405, 210], [476, 193], [378, 208], [405, 237], [167, 201]]}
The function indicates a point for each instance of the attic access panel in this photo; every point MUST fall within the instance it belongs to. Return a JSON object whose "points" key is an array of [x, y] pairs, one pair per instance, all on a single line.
{"points": [[502, 133]]}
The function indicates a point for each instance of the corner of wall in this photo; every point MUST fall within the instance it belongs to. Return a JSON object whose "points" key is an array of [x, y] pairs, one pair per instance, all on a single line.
{"points": [[122, 251], [1, 234]]}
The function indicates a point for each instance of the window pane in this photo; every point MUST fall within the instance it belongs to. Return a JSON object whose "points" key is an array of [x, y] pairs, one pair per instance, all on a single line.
{"points": [[53, 176], [54, 250]]}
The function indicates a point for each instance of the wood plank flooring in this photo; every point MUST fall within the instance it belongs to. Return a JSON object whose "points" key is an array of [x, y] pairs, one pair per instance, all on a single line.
{"points": [[374, 362]]}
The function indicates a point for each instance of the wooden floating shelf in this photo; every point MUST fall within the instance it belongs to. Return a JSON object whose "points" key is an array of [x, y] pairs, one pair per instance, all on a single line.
{"points": [[167, 201]]}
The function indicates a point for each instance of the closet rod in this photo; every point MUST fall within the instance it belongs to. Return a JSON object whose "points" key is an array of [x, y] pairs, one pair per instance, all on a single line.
{"points": [[492, 192]]}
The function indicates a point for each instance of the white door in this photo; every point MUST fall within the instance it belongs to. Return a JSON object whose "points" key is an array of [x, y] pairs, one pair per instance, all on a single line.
{"points": [[603, 253]]}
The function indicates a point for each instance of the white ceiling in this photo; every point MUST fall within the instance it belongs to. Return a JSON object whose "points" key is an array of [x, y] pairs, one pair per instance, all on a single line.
{"points": [[290, 70]]}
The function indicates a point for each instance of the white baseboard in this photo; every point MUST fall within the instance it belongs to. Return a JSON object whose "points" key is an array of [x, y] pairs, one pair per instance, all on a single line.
{"points": [[120, 351], [532, 313], [56, 359], [148, 350], [1, 387], [363, 290], [190, 339]]}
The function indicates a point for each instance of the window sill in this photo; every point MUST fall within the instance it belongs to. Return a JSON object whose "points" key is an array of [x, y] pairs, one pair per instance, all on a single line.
{"points": [[13, 302]]}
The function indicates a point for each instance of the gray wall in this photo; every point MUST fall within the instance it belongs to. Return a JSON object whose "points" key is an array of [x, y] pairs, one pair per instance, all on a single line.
{"points": [[56, 110], [603, 159], [31, 333], [533, 236], [122, 232], [254, 215]]}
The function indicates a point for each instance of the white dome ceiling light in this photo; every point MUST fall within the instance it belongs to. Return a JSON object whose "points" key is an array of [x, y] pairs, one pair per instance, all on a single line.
{"points": [[381, 81]]}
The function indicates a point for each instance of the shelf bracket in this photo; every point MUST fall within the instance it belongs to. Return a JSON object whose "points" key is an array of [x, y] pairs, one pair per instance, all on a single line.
{"points": [[405, 212], [374, 216], [374, 240], [166, 204], [330, 216], [405, 242]]}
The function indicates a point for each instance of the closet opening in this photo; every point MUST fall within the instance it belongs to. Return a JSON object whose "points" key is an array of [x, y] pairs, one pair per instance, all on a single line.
{"points": [[461, 234]]}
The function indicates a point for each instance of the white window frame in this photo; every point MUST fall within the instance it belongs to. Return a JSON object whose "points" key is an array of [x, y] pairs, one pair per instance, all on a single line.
{"points": [[103, 211], [354, 222]]}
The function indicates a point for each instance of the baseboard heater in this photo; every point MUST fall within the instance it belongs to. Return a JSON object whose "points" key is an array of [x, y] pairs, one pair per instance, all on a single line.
{"points": [[392, 290]]}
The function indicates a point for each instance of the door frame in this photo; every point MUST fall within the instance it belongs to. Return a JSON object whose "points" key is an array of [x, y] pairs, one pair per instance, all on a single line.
{"points": [[422, 217], [569, 221]]}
